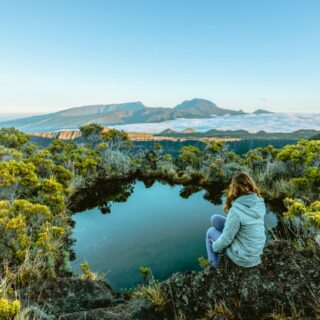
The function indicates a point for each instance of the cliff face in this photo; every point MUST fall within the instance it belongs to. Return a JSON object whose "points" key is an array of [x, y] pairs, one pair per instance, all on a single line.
{"points": [[74, 134], [63, 135], [134, 136], [286, 282]]}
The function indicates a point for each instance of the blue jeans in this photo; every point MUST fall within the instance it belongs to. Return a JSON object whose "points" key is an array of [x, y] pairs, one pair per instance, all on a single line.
{"points": [[214, 233]]}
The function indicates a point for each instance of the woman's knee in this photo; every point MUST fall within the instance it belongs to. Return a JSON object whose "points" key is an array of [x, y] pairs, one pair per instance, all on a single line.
{"points": [[218, 221]]}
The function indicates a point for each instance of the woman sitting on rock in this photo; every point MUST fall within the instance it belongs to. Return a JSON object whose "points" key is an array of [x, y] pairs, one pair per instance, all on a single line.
{"points": [[241, 235]]}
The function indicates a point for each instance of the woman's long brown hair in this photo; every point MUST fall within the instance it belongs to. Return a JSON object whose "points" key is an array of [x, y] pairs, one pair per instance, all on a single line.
{"points": [[241, 184]]}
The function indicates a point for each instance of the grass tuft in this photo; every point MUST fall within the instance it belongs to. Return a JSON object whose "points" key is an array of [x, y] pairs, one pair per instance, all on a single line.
{"points": [[220, 309], [88, 274], [152, 292]]}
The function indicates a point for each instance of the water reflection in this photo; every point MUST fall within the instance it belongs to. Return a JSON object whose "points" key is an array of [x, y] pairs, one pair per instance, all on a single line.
{"points": [[102, 195], [105, 192], [153, 223]]}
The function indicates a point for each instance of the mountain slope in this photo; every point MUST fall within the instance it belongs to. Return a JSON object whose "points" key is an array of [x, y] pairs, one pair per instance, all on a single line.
{"points": [[202, 108], [113, 114], [7, 116], [76, 117]]}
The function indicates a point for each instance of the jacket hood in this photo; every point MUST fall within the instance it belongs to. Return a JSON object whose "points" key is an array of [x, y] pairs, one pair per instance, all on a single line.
{"points": [[250, 205]]}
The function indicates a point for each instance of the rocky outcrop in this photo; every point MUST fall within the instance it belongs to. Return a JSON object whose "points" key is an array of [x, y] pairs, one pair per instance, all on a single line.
{"points": [[68, 295], [138, 310], [75, 298], [287, 281]]}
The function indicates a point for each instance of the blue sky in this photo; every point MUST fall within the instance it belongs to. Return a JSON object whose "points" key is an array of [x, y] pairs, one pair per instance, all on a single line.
{"points": [[237, 53]]}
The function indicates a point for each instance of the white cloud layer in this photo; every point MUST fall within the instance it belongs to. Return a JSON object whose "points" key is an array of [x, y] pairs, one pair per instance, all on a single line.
{"points": [[272, 122]]}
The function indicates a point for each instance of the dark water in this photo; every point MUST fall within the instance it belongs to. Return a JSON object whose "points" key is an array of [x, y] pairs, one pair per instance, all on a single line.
{"points": [[159, 226]]}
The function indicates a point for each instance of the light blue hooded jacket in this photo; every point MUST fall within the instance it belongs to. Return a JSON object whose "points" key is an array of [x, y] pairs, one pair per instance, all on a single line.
{"points": [[243, 237]]}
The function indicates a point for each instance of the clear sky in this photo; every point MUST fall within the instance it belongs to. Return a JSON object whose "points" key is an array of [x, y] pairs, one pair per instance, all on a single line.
{"points": [[238, 53]]}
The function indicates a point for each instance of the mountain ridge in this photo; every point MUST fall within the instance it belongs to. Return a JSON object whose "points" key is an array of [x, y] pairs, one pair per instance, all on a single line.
{"points": [[117, 114]]}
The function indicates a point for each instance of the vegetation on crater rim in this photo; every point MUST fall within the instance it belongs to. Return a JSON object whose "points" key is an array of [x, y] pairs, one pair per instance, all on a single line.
{"points": [[36, 185]]}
